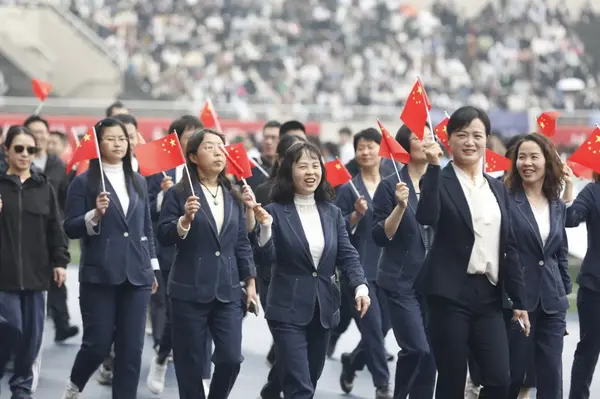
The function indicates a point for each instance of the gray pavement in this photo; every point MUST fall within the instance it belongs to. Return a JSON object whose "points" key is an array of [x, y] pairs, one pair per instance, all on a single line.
{"points": [[58, 359]]}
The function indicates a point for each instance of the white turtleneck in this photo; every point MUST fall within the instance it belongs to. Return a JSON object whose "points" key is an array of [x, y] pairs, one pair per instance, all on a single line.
{"points": [[116, 177], [310, 219]]}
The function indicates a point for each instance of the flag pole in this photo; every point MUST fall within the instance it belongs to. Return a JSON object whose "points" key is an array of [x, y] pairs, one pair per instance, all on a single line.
{"points": [[349, 181], [99, 160], [39, 108], [260, 168], [228, 156], [391, 155], [187, 172]]}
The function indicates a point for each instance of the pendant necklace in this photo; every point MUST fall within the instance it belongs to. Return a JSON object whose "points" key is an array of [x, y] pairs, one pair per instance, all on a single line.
{"points": [[214, 196]]}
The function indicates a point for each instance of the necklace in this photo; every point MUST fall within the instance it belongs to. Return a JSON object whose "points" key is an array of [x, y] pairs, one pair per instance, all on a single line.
{"points": [[214, 196]]}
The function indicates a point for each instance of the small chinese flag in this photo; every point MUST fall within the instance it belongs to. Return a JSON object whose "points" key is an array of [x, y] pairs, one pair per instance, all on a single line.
{"points": [[336, 173], [495, 162], [159, 155], [547, 123], [238, 162], [414, 114], [580, 171], [390, 148], [85, 151], [441, 132], [588, 154], [209, 117], [82, 167], [41, 89]]}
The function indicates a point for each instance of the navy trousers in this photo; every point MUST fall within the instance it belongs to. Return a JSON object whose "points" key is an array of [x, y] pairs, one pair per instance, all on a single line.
{"points": [[301, 353], [370, 351], [22, 316], [112, 312], [588, 348], [273, 386], [415, 367], [190, 324]]}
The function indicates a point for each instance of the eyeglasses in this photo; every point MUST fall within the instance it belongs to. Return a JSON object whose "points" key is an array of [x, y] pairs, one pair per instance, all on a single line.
{"points": [[115, 139], [20, 148]]}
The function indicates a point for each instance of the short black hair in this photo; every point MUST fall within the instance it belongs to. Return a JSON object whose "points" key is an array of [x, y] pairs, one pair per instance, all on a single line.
{"points": [[183, 123], [111, 108], [369, 134], [345, 130], [283, 190], [463, 117], [60, 135], [126, 119], [35, 118], [291, 126], [403, 136], [271, 124], [511, 144]]}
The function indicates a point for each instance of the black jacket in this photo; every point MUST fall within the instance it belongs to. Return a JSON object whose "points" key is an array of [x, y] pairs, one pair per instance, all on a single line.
{"points": [[32, 241]]}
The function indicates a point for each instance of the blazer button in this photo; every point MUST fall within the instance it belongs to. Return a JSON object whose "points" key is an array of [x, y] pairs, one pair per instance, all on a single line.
{"points": [[541, 263], [217, 253], [126, 234], [314, 274]]}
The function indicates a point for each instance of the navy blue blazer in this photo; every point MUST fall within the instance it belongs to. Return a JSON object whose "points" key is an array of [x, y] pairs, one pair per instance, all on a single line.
{"points": [[165, 255], [545, 267], [124, 246], [586, 208], [296, 285], [403, 255], [361, 238], [208, 265], [444, 206]]}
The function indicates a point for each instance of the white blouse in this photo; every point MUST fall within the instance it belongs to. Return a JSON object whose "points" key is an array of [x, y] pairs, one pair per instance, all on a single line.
{"points": [[542, 219]]}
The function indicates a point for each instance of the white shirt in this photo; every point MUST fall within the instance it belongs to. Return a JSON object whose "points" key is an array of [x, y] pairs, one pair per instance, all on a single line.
{"points": [[487, 219], [116, 178], [542, 219], [217, 210], [313, 231]]}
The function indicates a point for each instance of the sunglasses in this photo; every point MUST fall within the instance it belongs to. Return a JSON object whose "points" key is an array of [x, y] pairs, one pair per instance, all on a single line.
{"points": [[20, 148]]}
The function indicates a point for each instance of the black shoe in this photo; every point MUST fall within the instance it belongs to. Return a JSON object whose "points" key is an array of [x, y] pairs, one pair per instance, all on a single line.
{"points": [[331, 347], [389, 357], [269, 392], [383, 393], [21, 394], [271, 356], [66, 333], [347, 375]]}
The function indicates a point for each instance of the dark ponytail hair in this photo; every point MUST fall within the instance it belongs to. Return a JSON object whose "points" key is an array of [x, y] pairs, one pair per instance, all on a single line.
{"points": [[192, 148], [94, 183], [284, 145]]}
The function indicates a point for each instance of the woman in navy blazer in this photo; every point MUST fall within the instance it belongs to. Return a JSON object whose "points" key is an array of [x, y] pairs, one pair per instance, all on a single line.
{"points": [[303, 235], [538, 222], [207, 223], [117, 260]]}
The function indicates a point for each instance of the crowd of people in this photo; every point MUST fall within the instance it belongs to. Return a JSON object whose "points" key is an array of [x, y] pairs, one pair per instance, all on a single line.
{"points": [[343, 53]]}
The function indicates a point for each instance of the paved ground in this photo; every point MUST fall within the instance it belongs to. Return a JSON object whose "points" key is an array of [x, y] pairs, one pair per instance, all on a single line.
{"points": [[57, 362]]}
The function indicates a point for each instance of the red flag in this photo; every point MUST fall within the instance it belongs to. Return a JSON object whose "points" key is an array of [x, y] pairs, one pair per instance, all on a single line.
{"points": [[41, 89], [495, 162], [85, 151], [336, 173], [588, 154], [238, 162], [414, 114], [159, 155], [209, 117], [390, 148], [547, 123], [580, 171], [82, 167], [441, 132]]}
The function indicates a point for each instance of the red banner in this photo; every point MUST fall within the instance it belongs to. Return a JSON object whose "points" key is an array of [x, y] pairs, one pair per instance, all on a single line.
{"points": [[150, 128]]}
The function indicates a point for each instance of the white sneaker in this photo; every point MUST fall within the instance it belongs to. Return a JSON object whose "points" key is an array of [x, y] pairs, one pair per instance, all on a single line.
{"points": [[105, 376], [71, 391], [156, 377], [206, 384]]}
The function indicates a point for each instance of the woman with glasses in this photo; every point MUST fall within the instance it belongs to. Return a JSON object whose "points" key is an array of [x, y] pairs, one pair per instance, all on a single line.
{"points": [[32, 244], [207, 223], [116, 276]]}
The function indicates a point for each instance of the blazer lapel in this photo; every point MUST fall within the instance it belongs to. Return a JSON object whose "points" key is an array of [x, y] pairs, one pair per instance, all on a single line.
{"points": [[133, 200], [413, 201], [227, 208], [291, 215], [457, 195], [362, 188], [525, 209], [329, 227], [555, 218], [205, 209], [114, 198]]}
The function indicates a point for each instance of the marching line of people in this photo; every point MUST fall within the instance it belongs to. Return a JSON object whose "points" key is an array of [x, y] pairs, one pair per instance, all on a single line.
{"points": [[468, 271]]}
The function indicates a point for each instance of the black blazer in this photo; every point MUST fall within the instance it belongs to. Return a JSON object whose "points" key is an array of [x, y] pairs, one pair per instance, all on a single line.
{"points": [[296, 285], [545, 267], [444, 206], [586, 208]]}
